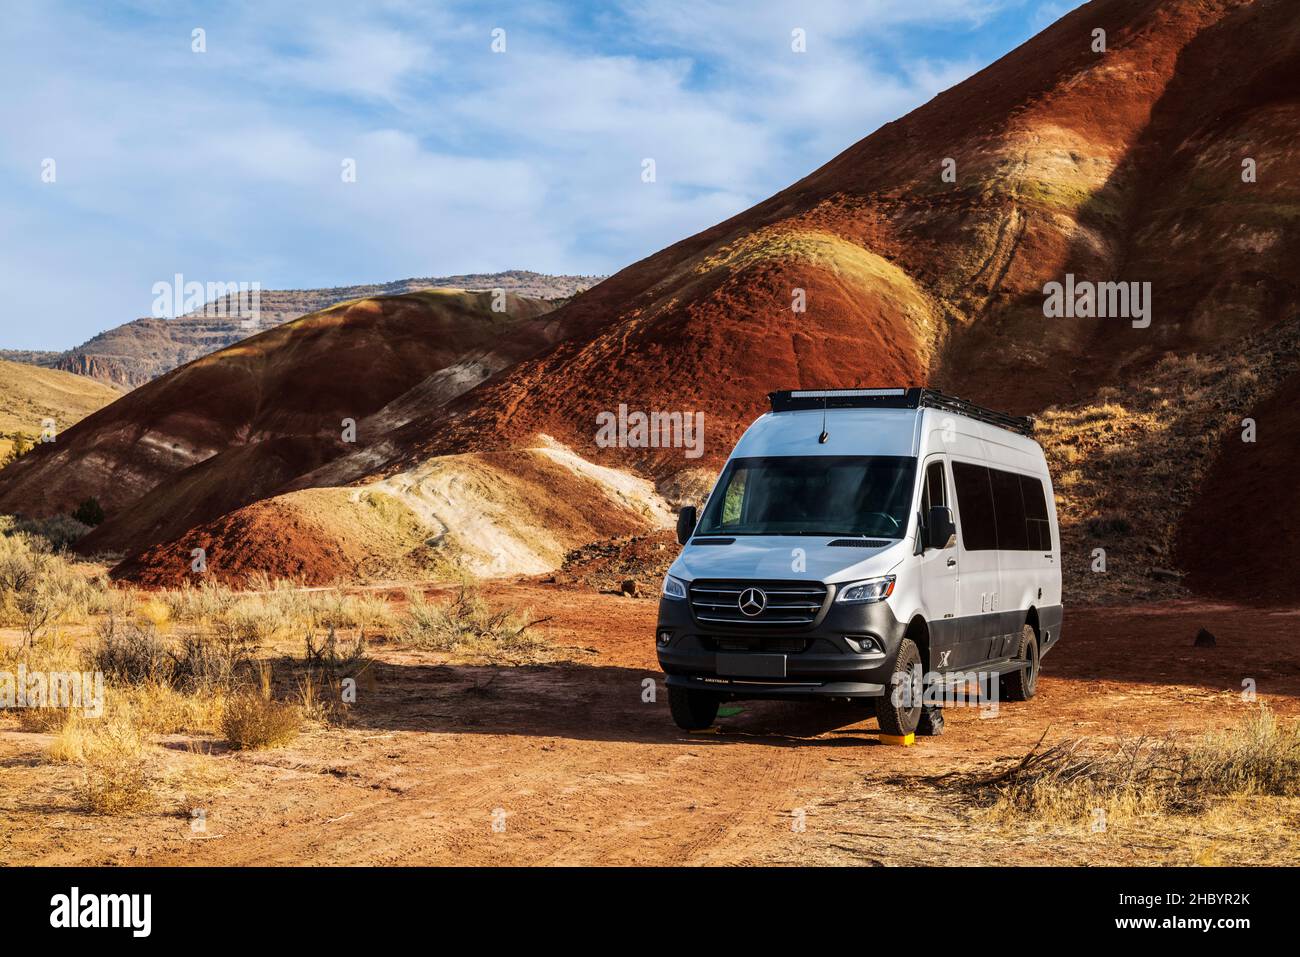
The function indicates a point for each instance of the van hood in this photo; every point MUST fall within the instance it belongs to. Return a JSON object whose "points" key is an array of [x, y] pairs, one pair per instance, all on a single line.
{"points": [[774, 556]]}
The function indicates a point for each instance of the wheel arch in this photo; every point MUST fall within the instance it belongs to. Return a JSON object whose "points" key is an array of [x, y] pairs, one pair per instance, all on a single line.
{"points": [[918, 629]]}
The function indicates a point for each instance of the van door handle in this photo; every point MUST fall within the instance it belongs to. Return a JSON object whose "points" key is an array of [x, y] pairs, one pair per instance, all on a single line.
{"points": [[951, 562]]}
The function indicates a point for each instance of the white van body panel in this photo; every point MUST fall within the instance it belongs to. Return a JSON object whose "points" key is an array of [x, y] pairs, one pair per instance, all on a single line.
{"points": [[849, 432], [782, 556], [983, 597]]}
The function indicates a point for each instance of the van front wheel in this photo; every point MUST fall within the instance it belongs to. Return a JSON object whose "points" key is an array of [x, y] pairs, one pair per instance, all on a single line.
{"points": [[1022, 684], [692, 710], [899, 710]]}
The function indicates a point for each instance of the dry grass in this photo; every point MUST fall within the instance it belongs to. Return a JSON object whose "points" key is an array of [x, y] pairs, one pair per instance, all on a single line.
{"points": [[1140, 777], [253, 720], [54, 654], [333, 669], [115, 761], [206, 601], [186, 661], [163, 709], [153, 612], [42, 590], [274, 609], [1125, 465], [469, 624]]}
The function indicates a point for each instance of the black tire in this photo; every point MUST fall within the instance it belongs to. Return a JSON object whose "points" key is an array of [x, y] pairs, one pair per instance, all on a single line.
{"points": [[931, 724], [693, 710], [1021, 685], [899, 709]]}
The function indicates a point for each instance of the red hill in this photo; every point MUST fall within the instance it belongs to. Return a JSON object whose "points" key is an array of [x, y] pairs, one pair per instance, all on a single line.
{"points": [[1123, 166]]}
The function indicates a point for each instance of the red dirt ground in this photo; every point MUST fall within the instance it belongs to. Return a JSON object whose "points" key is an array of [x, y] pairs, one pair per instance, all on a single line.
{"points": [[587, 772]]}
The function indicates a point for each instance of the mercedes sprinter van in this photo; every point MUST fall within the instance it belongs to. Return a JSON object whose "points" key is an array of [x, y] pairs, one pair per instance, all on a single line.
{"points": [[860, 543]]}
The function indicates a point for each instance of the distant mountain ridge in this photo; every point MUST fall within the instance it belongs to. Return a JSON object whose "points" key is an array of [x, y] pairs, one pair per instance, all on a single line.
{"points": [[132, 354], [44, 358]]}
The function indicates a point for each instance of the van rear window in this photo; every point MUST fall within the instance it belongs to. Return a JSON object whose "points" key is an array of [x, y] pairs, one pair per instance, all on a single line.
{"points": [[1001, 510], [1038, 526], [812, 495]]}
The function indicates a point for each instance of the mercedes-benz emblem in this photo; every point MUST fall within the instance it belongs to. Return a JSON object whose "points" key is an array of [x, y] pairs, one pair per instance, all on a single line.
{"points": [[752, 602]]}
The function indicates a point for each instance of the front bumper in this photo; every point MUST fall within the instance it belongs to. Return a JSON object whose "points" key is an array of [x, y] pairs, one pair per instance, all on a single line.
{"points": [[756, 661]]}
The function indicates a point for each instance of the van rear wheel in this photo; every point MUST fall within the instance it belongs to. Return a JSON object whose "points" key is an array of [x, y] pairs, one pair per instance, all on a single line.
{"points": [[899, 710], [692, 710], [1022, 684]]}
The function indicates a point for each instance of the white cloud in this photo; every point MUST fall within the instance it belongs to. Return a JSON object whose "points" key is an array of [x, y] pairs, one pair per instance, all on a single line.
{"points": [[226, 165]]}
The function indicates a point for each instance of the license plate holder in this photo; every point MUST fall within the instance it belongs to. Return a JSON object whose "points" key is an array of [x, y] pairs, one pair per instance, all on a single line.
{"points": [[751, 665]]}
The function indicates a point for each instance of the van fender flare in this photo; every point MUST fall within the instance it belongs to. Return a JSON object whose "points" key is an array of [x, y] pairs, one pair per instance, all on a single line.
{"points": [[916, 626]]}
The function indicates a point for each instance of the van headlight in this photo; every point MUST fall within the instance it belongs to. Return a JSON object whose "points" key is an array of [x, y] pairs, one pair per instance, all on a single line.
{"points": [[873, 589], [674, 588]]}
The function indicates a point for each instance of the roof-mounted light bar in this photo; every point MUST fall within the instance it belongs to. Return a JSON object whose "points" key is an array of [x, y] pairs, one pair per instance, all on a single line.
{"points": [[913, 398], [847, 393]]}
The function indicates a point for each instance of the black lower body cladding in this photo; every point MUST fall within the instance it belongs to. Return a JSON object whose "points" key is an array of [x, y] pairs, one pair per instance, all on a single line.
{"points": [[1049, 626], [848, 653]]}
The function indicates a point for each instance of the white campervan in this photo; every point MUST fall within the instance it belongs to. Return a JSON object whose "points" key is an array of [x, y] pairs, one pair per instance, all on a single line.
{"points": [[859, 542]]}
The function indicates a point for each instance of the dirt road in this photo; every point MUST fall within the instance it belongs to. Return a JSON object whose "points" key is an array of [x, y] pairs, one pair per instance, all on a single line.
{"points": [[449, 763]]}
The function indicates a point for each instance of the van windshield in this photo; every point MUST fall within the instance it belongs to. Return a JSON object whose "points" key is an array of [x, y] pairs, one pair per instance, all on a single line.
{"points": [[812, 495]]}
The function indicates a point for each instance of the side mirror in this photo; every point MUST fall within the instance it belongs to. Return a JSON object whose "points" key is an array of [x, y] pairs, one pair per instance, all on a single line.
{"points": [[685, 524], [940, 529]]}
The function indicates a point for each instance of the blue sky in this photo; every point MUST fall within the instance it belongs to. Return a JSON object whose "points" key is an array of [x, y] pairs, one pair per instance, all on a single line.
{"points": [[226, 165]]}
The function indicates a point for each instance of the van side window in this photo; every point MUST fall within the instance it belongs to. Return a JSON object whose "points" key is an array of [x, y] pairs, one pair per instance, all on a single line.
{"points": [[1009, 511], [1037, 525], [936, 492], [734, 500], [975, 503], [1001, 510]]}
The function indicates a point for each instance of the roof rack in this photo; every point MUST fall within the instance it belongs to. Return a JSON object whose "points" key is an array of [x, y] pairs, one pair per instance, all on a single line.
{"points": [[790, 400]]}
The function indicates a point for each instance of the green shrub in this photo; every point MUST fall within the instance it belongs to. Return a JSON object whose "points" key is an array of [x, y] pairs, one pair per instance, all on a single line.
{"points": [[89, 512]]}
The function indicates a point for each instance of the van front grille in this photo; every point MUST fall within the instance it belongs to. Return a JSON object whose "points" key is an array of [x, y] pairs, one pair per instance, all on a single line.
{"points": [[767, 603]]}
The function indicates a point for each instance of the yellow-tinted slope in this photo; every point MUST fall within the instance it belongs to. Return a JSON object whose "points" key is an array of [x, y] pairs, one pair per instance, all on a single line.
{"points": [[30, 395]]}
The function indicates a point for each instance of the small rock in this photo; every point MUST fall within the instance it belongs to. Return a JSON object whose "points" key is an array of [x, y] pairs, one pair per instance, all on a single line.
{"points": [[631, 588], [1204, 639], [1166, 575]]}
